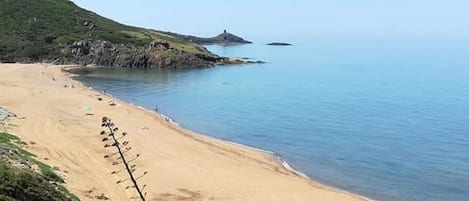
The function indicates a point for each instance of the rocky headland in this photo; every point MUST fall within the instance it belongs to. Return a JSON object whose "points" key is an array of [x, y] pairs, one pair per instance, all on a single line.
{"points": [[154, 55], [60, 32], [224, 38]]}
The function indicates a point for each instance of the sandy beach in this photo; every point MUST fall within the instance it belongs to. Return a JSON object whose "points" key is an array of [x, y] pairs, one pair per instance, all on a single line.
{"points": [[64, 125]]}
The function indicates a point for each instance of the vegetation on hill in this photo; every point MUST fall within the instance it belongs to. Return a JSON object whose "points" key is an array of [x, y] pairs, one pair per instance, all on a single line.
{"points": [[19, 181], [61, 32], [18, 184]]}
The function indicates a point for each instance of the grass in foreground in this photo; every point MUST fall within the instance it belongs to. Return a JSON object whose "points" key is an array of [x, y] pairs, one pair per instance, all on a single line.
{"points": [[18, 183]]}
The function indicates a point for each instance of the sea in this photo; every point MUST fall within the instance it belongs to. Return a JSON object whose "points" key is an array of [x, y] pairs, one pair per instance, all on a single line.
{"points": [[388, 120]]}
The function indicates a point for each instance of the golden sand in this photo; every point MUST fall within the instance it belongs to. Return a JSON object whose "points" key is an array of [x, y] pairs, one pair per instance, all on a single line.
{"points": [[64, 124]]}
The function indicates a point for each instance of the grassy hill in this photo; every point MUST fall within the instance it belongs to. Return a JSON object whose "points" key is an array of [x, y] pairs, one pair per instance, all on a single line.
{"points": [[55, 30]]}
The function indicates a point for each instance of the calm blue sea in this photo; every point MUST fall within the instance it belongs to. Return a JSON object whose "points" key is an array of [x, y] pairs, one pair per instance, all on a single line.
{"points": [[386, 120]]}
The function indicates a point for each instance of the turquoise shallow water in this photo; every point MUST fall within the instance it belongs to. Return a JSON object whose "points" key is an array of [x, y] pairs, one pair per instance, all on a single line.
{"points": [[387, 120]]}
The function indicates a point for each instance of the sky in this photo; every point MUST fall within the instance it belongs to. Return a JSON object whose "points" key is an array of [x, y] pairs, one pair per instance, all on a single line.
{"points": [[296, 19]]}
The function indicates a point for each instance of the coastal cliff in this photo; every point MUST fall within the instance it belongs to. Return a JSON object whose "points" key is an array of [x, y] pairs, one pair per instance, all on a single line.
{"points": [[60, 32], [153, 55]]}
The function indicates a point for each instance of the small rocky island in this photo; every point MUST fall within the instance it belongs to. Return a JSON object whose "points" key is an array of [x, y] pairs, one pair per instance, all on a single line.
{"points": [[279, 44]]}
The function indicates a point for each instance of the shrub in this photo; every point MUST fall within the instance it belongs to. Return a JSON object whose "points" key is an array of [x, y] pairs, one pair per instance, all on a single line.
{"points": [[21, 185]]}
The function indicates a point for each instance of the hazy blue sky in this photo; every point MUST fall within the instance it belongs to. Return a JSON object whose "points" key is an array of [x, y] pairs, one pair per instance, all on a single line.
{"points": [[296, 19]]}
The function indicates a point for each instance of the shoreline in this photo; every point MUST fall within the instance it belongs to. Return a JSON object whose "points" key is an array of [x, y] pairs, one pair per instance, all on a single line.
{"points": [[274, 156], [245, 160]]}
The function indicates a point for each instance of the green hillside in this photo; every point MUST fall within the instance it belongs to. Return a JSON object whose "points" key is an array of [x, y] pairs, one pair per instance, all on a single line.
{"points": [[46, 30]]}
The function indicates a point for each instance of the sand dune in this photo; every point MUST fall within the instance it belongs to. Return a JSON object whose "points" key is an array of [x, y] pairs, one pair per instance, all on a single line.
{"points": [[182, 165]]}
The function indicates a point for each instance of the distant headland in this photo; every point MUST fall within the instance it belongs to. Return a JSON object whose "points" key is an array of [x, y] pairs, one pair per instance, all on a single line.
{"points": [[224, 38]]}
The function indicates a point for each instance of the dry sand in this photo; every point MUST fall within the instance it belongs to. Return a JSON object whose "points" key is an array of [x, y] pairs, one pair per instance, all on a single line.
{"points": [[182, 165]]}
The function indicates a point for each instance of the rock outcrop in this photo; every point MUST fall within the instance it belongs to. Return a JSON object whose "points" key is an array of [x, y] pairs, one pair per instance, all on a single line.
{"points": [[157, 54], [279, 44]]}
